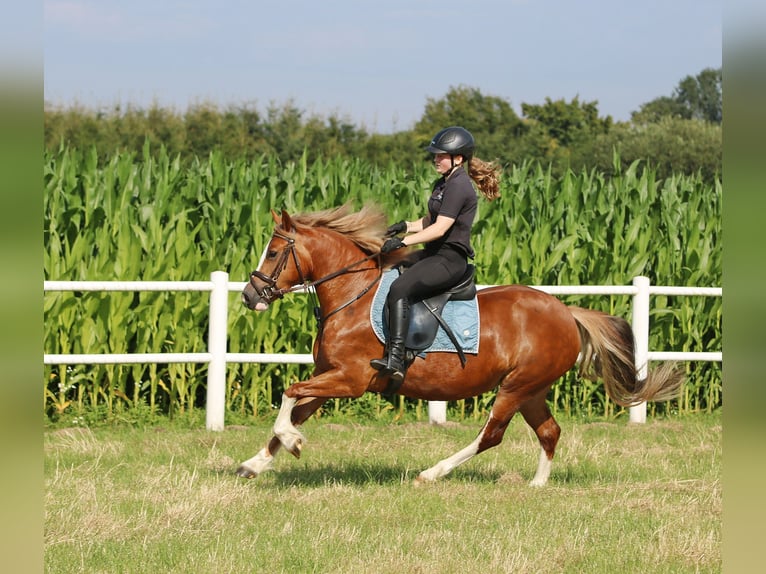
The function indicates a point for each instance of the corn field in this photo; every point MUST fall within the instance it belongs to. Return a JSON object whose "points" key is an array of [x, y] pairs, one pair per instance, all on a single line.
{"points": [[150, 217]]}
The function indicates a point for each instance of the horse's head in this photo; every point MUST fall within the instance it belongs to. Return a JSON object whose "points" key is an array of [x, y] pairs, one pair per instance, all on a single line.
{"points": [[333, 243], [279, 270]]}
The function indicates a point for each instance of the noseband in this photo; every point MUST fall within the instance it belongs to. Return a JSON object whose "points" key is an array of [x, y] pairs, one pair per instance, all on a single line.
{"points": [[270, 292]]}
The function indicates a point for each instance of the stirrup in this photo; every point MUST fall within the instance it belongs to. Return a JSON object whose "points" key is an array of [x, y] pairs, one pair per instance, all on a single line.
{"points": [[397, 376], [380, 364], [397, 370]]}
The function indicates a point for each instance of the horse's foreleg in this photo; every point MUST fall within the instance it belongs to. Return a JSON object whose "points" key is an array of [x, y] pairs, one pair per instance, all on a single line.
{"points": [[297, 414], [284, 429], [261, 462]]}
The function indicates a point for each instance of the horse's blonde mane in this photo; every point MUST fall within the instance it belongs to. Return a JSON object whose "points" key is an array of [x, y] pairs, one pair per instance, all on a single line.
{"points": [[365, 227]]}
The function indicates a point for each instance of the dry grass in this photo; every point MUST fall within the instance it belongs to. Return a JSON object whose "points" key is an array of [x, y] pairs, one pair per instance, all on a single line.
{"points": [[621, 498]]}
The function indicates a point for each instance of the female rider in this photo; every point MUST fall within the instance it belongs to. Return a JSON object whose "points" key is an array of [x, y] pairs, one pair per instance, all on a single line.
{"points": [[446, 232]]}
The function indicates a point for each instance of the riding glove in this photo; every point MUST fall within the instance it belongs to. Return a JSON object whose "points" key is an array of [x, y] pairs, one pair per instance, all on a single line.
{"points": [[396, 228], [392, 244]]}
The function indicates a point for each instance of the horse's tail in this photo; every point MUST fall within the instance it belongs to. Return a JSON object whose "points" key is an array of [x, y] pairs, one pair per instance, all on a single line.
{"points": [[608, 352]]}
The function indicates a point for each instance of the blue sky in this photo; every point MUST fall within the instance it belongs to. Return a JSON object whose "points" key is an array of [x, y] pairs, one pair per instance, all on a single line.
{"points": [[374, 63]]}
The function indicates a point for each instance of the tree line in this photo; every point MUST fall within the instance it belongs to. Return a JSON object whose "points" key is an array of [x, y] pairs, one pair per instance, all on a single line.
{"points": [[676, 134]]}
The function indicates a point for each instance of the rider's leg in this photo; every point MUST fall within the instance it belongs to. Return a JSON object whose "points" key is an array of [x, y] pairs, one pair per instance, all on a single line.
{"points": [[430, 274], [394, 364]]}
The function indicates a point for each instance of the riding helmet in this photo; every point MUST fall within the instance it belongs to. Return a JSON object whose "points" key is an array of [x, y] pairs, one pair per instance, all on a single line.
{"points": [[453, 140]]}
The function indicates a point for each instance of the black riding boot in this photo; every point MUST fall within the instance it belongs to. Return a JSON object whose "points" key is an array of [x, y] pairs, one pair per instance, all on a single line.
{"points": [[394, 363]]}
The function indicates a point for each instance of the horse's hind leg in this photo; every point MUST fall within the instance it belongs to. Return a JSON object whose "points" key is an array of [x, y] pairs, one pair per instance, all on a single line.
{"points": [[298, 413], [506, 405], [444, 467], [539, 418]]}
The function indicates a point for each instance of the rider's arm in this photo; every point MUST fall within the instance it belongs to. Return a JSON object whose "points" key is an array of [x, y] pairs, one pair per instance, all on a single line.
{"points": [[417, 225], [430, 233]]}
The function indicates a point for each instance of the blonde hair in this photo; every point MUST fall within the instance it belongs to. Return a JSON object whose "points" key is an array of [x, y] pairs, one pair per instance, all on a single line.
{"points": [[486, 176]]}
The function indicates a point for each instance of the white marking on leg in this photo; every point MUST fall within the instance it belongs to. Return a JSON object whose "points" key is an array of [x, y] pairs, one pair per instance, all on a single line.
{"points": [[290, 437], [261, 462], [444, 467], [283, 422], [543, 470]]}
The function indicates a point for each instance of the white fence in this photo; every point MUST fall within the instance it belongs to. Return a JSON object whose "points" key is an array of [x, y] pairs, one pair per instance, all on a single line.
{"points": [[217, 356]]}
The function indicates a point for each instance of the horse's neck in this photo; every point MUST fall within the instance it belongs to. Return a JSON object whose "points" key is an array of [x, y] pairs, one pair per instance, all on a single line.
{"points": [[331, 253]]}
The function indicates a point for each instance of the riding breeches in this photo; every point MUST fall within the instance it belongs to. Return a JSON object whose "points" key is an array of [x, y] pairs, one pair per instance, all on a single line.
{"points": [[431, 273]]}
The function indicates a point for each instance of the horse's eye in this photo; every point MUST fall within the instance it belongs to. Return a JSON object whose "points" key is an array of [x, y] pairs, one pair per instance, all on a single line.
{"points": [[271, 254]]}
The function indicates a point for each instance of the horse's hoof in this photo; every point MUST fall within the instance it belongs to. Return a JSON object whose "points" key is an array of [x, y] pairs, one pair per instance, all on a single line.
{"points": [[420, 481], [245, 472], [296, 448]]}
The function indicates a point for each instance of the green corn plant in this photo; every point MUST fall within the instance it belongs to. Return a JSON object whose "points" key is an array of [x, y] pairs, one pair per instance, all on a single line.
{"points": [[147, 217]]}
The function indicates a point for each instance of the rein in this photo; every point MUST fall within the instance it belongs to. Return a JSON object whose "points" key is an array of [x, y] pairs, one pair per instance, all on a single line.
{"points": [[344, 270], [271, 293]]}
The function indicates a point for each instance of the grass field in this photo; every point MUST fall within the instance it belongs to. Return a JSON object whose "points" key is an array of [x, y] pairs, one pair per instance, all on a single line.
{"points": [[622, 498]]}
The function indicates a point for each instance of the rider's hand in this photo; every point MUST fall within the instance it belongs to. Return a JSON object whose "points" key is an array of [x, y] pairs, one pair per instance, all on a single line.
{"points": [[392, 244], [396, 228]]}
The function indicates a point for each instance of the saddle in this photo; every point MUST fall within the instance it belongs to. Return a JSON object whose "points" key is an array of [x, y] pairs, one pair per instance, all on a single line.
{"points": [[426, 317]]}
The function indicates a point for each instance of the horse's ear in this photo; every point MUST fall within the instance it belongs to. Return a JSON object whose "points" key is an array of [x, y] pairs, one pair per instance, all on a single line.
{"points": [[287, 223], [275, 217]]}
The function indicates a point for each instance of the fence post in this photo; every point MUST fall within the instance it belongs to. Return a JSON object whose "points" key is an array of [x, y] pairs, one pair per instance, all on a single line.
{"points": [[641, 336], [437, 412], [216, 371]]}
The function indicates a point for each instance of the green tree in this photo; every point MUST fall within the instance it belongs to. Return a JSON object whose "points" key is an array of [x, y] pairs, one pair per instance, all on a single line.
{"points": [[558, 130], [697, 97], [558, 133], [204, 129], [657, 110], [669, 146], [490, 119], [567, 123], [702, 96]]}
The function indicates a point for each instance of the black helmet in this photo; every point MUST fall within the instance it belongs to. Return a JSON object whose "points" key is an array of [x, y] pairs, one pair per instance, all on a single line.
{"points": [[454, 141]]}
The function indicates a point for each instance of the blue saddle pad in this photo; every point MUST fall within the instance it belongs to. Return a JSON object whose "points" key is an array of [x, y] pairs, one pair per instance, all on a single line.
{"points": [[461, 316]]}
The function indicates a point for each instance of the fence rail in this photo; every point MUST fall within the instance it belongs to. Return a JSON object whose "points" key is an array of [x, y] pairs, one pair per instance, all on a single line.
{"points": [[217, 356]]}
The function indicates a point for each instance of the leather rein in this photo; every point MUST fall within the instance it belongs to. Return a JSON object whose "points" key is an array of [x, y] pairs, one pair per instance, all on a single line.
{"points": [[271, 293]]}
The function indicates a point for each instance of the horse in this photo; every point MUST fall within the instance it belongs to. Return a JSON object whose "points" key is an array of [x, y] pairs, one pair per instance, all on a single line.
{"points": [[528, 339]]}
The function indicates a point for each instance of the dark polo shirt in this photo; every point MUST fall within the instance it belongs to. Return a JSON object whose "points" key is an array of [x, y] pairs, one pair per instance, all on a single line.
{"points": [[454, 197]]}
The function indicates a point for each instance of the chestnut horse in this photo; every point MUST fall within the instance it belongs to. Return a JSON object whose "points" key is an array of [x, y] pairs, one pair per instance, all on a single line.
{"points": [[528, 339]]}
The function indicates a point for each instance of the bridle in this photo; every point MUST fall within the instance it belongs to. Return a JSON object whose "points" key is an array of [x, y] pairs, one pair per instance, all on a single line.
{"points": [[271, 293]]}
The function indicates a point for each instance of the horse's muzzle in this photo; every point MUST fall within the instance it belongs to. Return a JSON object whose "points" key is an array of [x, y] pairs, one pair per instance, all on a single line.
{"points": [[254, 300]]}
